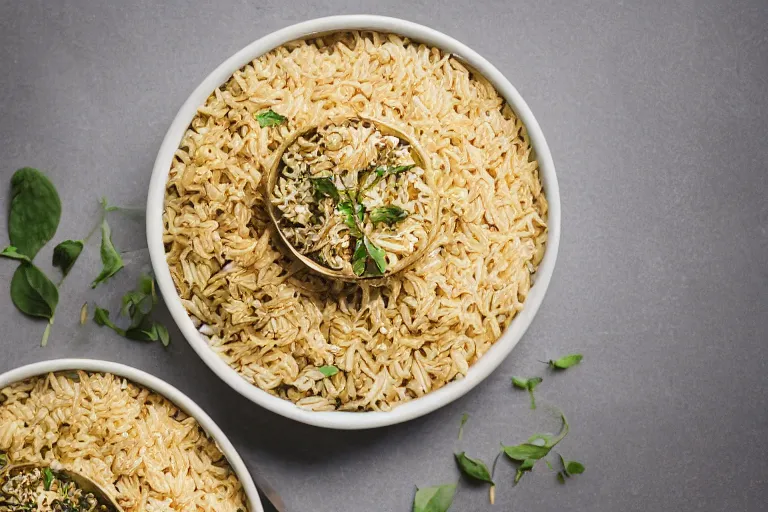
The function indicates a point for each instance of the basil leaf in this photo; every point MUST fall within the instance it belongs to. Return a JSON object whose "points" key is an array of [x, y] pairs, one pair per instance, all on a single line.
{"points": [[47, 478], [33, 293], [101, 318], [66, 253], [111, 261], [376, 253], [574, 468], [324, 187], [11, 253], [388, 171], [527, 465], [565, 361], [328, 370], [529, 384], [347, 209], [359, 258], [35, 211], [434, 499], [388, 214], [464, 418], [270, 118], [524, 451], [473, 468]]}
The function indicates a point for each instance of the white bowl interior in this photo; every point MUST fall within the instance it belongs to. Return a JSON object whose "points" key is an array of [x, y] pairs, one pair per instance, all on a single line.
{"points": [[178, 398], [489, 361]]}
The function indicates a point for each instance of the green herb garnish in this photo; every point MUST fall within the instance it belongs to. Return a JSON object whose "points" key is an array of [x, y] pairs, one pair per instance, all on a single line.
{"points": [[529, 384], [3, 460], [35, 211], [464, 418], [376, 253], [434, 499], [536, 448], [66, 253], [473, 468], [324, 187], [347, 208], [10, 252], [565, 362], [388, 214], [570, 468], [111, 262], [328, 370], [270, 118], [383, 172], [47, 478]]}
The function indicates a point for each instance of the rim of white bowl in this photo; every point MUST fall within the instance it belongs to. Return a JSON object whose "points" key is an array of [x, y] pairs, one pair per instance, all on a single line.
{"points": [[489, 361], [157, 385]]}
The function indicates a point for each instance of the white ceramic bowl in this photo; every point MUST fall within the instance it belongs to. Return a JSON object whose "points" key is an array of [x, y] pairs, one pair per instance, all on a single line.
{"points": [[181, 400], [486, 364]]}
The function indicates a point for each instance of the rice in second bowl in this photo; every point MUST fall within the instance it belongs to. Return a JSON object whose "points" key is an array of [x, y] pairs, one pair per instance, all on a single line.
{"points": [[134, 443], [278, 324]]}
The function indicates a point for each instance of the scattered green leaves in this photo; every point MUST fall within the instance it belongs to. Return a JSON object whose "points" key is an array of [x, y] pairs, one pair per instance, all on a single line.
{"points": [[328, 370], [434, 499], [377, 254], [66, 253], [536, 448], [47, 478], [11, 252], [324, 187], [35, 211], [464, 419], [269, 118], [111, 261], [473, 468], [388, 214], [565, 362], [33, 293], [525, 451], [529, 384]]}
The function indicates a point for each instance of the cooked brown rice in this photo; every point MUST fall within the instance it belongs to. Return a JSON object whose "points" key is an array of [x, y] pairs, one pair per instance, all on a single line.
{"points": [[274, 322], [134, 443]]}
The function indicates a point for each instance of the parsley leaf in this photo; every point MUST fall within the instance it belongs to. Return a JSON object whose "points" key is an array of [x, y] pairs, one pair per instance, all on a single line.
{"points": [[269, 118]]}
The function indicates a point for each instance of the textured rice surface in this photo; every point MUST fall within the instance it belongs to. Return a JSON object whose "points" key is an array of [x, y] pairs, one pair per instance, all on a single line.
{"points": [[134, 443], [275, 323]]}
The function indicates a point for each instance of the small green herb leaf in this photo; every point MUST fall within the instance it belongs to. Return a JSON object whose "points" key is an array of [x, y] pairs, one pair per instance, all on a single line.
{"points": [[111, 261], [388, 171], [324, 187], [162, 333], [3, 460], [524, 451], [11, 253], [47, 478], [529, 384], [473, 468], [434, 499], [101, 318], [348, 210], [464, 418], [328, 370], [269, 118], [526, 465], [560, 478], [377, 254], [388, 214], [35, 211], [66, 253], [33, 293], [574, 468], [565, 361], [359, 258]]}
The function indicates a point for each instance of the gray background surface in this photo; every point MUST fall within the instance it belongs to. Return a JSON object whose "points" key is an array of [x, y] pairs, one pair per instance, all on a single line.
{"points": [[657, 115]]}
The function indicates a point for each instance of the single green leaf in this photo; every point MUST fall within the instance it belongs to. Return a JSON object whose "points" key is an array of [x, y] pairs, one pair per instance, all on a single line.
{"points": [[147, 286], [35, 211], [388, 214], [47, 478], [529, 384], [11, 253], [328, 370], [473, 468], [565, 361], [464, 418], [269, 118], [162, 332], [549, 465], [434, 499], [111, 261], [3, 460], [101, 318], [524, 451], [574, 468], [560, 478], [33, 293], [324, 187], [527, 465], [359, 258], [347, 209], [377, 254], [388, 171], [66, 253]]}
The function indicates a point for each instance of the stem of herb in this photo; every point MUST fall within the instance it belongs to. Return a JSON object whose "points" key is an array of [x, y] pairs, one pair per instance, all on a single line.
{"points": [[47, 332]]}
